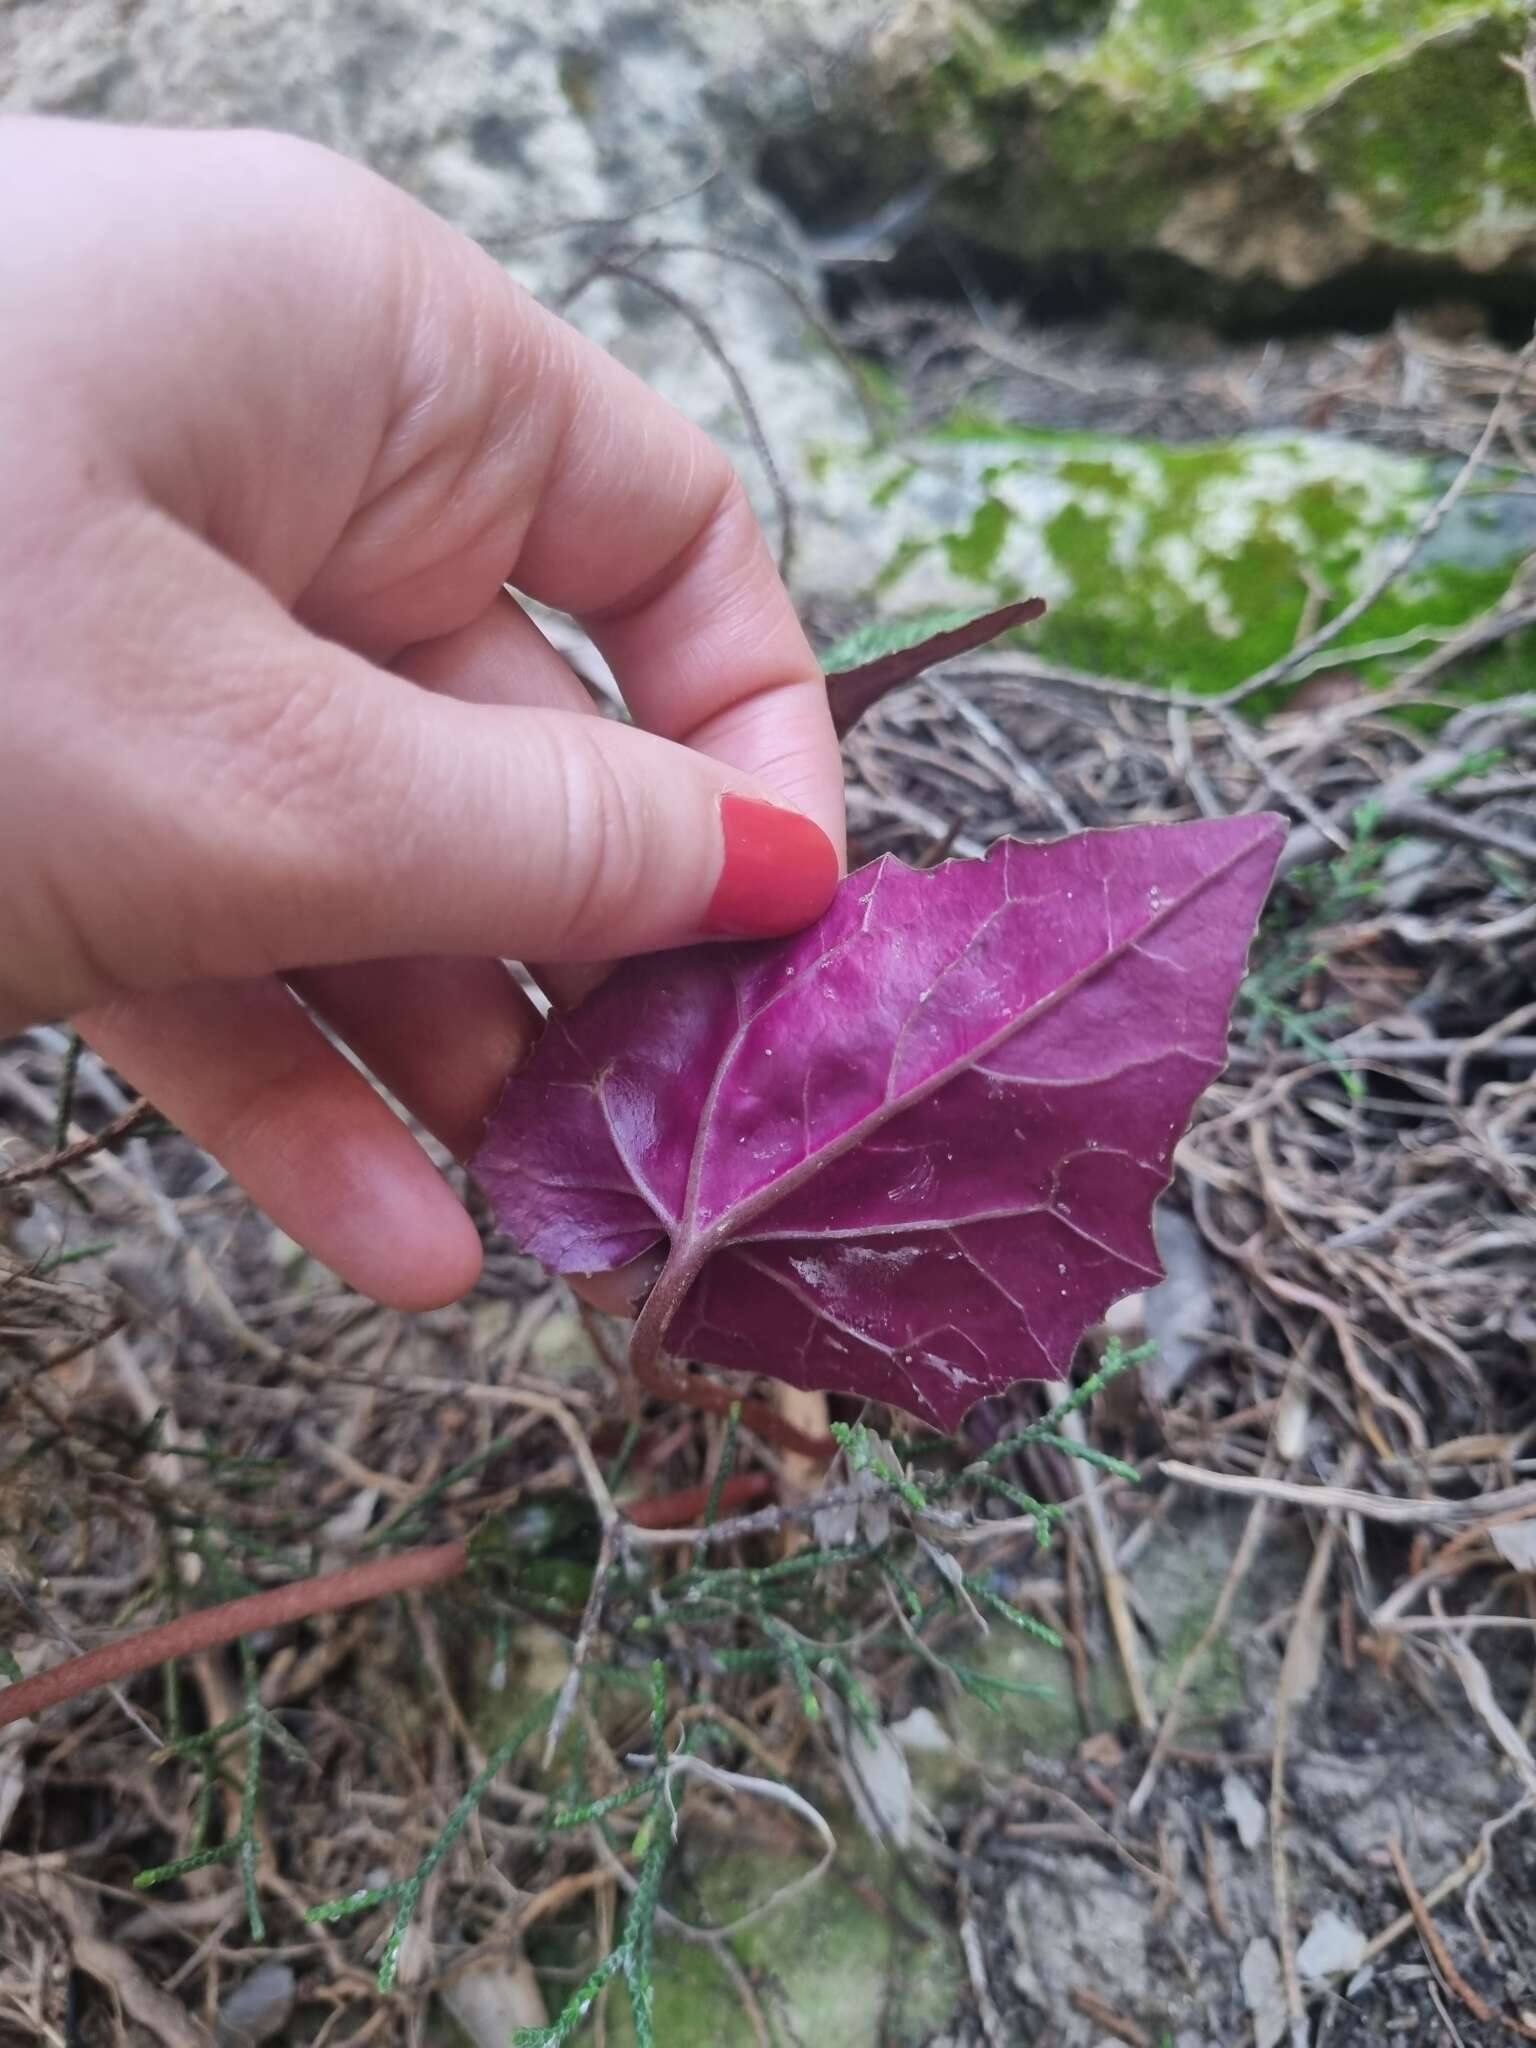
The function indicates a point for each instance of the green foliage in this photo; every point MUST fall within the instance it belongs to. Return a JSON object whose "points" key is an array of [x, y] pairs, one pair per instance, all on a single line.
{"points": [[797, 1614], [206, 1519], [633, 1958], [65, 1103], [804, 1618], [538, 1558], [1404, 117], [73, 1257], [406, 1892], [1475, 764], [251, 1730], [864, 1456], [1116, 1360], [985, 1597], [1193, 566], [626, 1451], [723, 1469], [974, 551], [410, 1524]]}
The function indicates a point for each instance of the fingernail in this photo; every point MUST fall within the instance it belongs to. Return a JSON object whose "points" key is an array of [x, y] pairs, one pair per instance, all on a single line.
{"points": [[778, 873]]}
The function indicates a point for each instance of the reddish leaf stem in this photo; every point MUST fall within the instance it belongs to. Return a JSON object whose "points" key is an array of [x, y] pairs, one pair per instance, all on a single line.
{"points": [[206, 1628], [649, 1364], [691, 1390], [680, 1508]]}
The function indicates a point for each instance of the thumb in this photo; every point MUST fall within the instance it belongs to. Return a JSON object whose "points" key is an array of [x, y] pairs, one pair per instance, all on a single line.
{"points": [[279, 802], [544, 834]]}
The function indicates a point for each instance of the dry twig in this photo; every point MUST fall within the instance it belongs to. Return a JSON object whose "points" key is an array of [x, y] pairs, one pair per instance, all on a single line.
{"points": [[1440, 1956]]}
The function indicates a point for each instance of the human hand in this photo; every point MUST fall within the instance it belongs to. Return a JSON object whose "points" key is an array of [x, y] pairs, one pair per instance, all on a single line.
{"points": [[276, 740]]}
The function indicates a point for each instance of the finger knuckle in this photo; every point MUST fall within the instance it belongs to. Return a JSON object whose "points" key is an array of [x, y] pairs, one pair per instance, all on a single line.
{"points": [[279, 748], [289, 781], [601, 846], [276, 1113]]}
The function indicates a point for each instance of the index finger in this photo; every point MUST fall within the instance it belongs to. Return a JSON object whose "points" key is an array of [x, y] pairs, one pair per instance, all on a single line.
{"points": [[710, 653], [638, 526]]}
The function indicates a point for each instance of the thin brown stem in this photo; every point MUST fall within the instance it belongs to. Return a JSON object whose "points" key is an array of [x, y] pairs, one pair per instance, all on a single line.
{"points": [[71, 1155]]}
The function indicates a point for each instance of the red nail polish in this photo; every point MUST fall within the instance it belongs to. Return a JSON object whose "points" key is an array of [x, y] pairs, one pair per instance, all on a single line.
{"points": [[778, 872]]}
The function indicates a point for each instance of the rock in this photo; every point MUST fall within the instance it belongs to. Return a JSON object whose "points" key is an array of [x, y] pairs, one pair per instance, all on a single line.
{"points": [[1174, 1586], [1244, 1809], [489, 2003], [1059, 124], [1081, 1926], [1182, 1307], [1022, 1705], [532, 1665], [1334, 1947], [1277, 145], [829, 1965], [922, 1733], [1450, 1782], [258, 2008], [940, 1771], [1263, 1991], [563, 1351], [1193, 565]]}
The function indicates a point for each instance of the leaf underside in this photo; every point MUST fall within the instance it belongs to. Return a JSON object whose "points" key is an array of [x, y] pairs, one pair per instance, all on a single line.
{"points": [[911, 1153]]}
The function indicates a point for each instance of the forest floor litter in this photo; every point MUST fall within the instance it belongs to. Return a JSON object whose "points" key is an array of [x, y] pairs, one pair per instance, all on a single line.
{"points": [[1280, 1784]]}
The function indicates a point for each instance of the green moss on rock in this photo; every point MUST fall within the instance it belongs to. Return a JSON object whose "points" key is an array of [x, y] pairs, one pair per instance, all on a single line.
{"points": [[1281, 138], [1176, 1584], [1192, 565], [973, 554], [1278, 56], [828, 1965], [1034, 1712], [1433, 152]]}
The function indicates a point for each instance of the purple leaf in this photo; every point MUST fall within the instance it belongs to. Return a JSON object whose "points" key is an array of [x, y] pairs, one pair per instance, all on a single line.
{"points": [[851, 691], [912, 1152]]}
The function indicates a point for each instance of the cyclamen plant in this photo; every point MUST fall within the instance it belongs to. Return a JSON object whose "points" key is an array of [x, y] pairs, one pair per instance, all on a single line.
{"points": [[910, 1154]]}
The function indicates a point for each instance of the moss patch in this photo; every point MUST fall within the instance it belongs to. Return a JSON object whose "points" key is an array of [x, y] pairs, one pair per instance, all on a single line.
{"points": [[1042, 1722], [973, 554], [1189, 566], [1351, 124], [1278, 56], [829, 1965], [1436, 153], [1177, 1584]]}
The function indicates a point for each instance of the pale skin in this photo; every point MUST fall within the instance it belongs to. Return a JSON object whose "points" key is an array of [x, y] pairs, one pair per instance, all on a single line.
{"points": [[275, 742]]}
